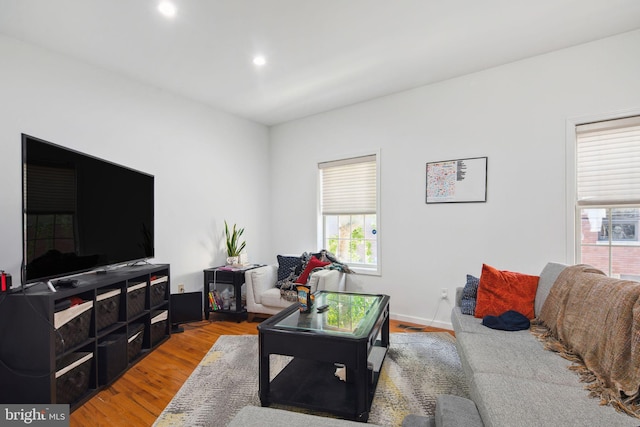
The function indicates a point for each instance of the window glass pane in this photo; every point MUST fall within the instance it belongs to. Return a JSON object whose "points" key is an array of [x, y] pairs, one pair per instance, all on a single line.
{"points": [[331, 226], [352, 238], [596, 256], [372, 251], [592, 224], [625, 262], [622, 227], [370, 231]]}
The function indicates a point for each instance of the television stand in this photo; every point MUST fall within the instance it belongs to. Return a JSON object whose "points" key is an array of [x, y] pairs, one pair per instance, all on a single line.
{"points": [[56, 350]]}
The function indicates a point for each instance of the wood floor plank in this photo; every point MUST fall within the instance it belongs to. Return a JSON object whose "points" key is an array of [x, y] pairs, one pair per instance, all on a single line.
{"points": [[139, 396]]}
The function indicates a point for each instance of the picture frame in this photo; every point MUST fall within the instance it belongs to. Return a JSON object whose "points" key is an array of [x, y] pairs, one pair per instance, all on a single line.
{"points": [[457, 181]]}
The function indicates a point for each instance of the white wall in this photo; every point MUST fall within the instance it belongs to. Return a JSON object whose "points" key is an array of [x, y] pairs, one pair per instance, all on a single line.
{"points": [[208, 165], [515, 114]]}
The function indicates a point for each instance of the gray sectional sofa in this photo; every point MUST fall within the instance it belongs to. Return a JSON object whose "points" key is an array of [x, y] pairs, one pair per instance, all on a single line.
{"points": [[514, 381]]}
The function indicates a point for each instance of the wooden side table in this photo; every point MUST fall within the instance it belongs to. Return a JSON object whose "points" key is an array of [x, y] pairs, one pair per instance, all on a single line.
{"points": [[219, 278]]}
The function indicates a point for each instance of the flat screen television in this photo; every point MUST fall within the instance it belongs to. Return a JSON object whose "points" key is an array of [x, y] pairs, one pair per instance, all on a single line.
{"points": [[81, 213]]}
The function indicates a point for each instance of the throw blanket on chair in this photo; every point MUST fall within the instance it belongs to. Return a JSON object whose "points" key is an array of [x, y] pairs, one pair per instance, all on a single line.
{"points": [[594, 321]]}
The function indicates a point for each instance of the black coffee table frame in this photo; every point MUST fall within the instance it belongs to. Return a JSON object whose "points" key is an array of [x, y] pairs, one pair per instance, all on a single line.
{"points": [[308, 381]]}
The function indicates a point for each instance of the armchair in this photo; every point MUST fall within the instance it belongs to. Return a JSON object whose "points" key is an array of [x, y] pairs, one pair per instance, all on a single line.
{"points": [[264, 299]]}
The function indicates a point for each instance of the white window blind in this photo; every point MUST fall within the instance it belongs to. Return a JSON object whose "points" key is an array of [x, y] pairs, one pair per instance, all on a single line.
{"points": [[608, 162], [348, 186]]}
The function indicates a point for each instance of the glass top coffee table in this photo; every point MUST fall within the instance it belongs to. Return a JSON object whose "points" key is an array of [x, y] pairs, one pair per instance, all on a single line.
{"points": [[354, 332]]}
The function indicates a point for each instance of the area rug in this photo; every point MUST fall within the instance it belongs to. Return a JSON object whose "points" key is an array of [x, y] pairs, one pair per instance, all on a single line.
{"points": [[418, 367]]}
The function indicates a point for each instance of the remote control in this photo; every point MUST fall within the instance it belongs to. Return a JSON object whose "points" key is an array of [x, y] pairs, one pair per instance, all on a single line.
{"points": [[323, 308]]}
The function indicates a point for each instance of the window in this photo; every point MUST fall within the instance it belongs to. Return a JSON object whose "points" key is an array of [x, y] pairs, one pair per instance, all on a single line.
{"points": [[608, 196], [349, 210]]}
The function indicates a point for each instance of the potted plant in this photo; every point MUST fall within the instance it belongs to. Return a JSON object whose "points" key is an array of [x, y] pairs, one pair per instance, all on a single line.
{"points": [[234, 246]]}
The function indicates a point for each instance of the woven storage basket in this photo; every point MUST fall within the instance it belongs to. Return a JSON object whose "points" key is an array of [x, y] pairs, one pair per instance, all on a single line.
{"points": [[158, 326], [158, 290], [135, 299], [73, 373], [107, 308], [136, 337], [72, 326]]}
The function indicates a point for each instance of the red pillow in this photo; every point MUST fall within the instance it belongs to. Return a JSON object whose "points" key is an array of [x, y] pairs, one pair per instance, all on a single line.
{"points": [[501, 291], [313, 263]]}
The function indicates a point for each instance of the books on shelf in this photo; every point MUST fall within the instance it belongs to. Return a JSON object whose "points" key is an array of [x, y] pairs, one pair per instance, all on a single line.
{"points": [[215, 300]]}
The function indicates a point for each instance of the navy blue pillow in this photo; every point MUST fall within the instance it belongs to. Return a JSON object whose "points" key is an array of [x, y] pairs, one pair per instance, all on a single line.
{"points": [[469, 295], [287, 265]]}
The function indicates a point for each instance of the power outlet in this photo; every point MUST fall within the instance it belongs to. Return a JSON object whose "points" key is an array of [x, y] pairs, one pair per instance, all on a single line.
{"points": [[181, 288], [444, 293]]}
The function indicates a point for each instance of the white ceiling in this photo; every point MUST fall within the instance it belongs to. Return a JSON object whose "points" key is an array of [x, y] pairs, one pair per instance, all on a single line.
{"points": [[322, 54]]}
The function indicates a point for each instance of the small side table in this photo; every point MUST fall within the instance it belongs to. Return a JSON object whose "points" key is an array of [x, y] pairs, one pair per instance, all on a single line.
{"points": [[218, 278]]}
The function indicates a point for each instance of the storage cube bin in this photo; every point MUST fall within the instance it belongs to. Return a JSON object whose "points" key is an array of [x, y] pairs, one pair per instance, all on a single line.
{"points": [[112, 357], [107, 308], [135, 339], [158, 326], [158, 290], [73, 373], [72, 326], [135, 299]]}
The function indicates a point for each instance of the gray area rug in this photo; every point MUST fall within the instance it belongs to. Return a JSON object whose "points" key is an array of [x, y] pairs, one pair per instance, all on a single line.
{"points": [[418, 367]]}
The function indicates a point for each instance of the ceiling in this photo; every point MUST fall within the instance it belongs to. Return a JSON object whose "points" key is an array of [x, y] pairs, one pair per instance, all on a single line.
{"points": [[321, 54]]}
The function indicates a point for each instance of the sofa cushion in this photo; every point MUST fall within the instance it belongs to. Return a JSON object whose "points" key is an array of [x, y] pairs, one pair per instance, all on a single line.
{"points": [[548, 277], [287, 265], [505, 400], [414, 420], [501, 290], [467, 323], [456, 411], [261, 279], [273, 298], [518, 354], [313, 263], [469, 295]]}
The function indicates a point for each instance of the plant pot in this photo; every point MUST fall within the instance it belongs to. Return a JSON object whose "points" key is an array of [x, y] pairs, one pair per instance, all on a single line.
{"points": [[232, 260]]}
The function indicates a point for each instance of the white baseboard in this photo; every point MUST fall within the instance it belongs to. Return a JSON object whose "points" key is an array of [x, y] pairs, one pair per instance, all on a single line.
{"points": [[421, 321]]}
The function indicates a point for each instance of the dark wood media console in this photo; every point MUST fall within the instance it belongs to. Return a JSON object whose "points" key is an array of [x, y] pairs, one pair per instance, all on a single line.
{"points": [[52, 352]]}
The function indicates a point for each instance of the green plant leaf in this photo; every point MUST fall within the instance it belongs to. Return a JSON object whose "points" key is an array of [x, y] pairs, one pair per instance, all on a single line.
{"points": [[234, 247]]}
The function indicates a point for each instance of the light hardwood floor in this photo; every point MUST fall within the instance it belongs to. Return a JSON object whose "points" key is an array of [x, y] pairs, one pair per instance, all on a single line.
{"points": [[140, 395]]}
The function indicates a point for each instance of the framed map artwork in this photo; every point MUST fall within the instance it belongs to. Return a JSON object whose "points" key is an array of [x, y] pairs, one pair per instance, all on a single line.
{"points": [[457, 181]]}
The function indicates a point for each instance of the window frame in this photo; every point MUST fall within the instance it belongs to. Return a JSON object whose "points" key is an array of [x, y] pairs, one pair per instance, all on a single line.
{"points": [[376, 269], [573, 208]]}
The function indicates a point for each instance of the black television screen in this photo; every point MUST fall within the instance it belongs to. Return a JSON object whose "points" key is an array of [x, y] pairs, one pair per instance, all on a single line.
{"points": [[81, 213]]}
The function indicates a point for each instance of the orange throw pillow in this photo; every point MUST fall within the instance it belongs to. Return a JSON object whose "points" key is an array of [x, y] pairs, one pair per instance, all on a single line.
{"points": [[501, 291]]}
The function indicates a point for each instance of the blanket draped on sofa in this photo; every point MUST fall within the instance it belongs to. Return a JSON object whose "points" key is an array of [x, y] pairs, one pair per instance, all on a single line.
{"points": [[594, 321]]}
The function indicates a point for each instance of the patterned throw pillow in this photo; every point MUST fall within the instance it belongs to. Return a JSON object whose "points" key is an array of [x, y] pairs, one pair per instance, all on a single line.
{"points": [[287, 265], [469, 295]]}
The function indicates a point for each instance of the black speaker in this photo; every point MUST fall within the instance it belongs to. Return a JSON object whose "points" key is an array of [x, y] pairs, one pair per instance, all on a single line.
{"points": [[185, 308]]}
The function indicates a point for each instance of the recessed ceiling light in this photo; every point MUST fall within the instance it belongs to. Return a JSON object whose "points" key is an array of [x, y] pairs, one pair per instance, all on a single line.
{"points": [[259, 60], [167, 8]]}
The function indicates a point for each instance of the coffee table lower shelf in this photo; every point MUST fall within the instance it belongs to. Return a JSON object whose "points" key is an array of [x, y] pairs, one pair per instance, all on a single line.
{"points": [[312, 385]]}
